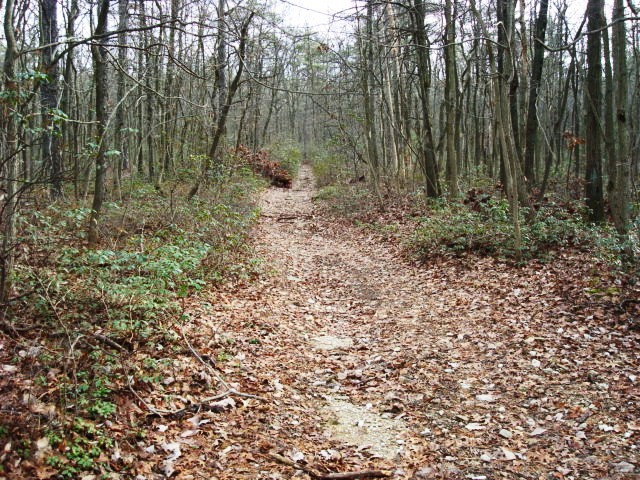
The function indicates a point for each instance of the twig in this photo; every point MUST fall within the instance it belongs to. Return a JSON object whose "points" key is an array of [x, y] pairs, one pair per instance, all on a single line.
{"points": [[229, 391], [234, 392], [10, 329], [284, 217], [626, 302], [153, 410], [203, 403], [199, 357], [196, 407], [279, 458], [112, 343], [330, 476], [355, 475]]}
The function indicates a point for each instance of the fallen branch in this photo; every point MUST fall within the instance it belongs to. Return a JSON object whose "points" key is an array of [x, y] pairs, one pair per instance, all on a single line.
{"points": [[329, 476], [233, 391], [204, 403], [282, 218], [222, 381], [153, 410], [628, 301], [229, 390], [11, 329], [112, 343]]}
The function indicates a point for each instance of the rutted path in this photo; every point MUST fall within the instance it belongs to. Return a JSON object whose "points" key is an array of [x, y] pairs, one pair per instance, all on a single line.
{"points": [[366, 361]]}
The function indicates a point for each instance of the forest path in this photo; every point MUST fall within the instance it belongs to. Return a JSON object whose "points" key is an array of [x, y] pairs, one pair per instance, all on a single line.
{"points": [[367, 361]]}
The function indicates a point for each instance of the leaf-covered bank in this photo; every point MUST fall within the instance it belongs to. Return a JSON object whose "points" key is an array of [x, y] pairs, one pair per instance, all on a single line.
{"points": [[88, 329]]}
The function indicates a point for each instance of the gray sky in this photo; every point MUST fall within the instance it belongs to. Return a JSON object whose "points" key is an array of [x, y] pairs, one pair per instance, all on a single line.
{"points": [[318, 14]]}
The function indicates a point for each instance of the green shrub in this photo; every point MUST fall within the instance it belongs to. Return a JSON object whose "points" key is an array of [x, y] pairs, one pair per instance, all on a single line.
{"points": [[97, 309], [330, 192], [288, 154], [486, 228], [329, 168]]}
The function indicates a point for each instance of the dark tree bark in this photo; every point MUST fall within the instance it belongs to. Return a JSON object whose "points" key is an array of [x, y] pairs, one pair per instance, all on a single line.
{"points": [[450, 98], [621, 193], [99, 57], [609, 124], [593, 106], [51, 154], [427, 154], [531, 129]]}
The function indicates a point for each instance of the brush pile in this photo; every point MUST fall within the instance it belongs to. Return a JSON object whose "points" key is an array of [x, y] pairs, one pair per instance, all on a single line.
{"points": [[262, 163]]}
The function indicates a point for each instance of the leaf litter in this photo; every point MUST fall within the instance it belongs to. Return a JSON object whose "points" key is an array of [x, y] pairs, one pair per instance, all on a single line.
{"points": [[481, 369], [346, 357]]}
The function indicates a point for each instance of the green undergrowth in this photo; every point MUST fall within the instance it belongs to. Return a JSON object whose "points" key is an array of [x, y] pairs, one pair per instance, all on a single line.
{"points": [[89, 314], [156, 247], [288, 155], [480, 225], [486, 228], [329, 168]]}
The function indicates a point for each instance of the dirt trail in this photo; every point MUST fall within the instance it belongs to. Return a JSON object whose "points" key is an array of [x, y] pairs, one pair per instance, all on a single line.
{"points": [[366, 361]]}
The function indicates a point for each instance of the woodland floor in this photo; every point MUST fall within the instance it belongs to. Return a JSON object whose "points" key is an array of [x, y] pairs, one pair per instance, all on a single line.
{"points": [[367, 361], [363, 360]]}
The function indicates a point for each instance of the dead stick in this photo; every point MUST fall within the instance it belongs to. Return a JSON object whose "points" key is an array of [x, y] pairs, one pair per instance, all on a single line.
{"points": [[330, 476], [355, 475], [295, 465], [112, 343], [229, 391]]}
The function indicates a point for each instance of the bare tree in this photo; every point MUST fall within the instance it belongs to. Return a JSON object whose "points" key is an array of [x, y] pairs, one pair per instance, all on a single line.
{"points": [[8, 154], [99, 56], [51, 154], [593, 101], [531, 129]]}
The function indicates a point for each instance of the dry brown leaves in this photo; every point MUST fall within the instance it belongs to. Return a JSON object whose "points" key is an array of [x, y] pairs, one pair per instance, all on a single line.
{"points": [[496, 371]]}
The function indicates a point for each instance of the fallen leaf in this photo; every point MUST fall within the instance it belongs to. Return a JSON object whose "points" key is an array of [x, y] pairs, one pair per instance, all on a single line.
{"points": [[486, 398], [474, 426], [508, 454], [173, 449]]}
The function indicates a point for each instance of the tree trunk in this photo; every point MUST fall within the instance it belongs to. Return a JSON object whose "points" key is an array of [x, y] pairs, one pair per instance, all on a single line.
{"points": [[150, 65], [593, 94], [99, 56], [120, 136], [621, 195], [504, 131], [373, 158], [8, 157], [171, 105], [450, 98], [427, 154], [51, 154], [531, 129], [222, 119], [609, 125], [221, 62]]}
